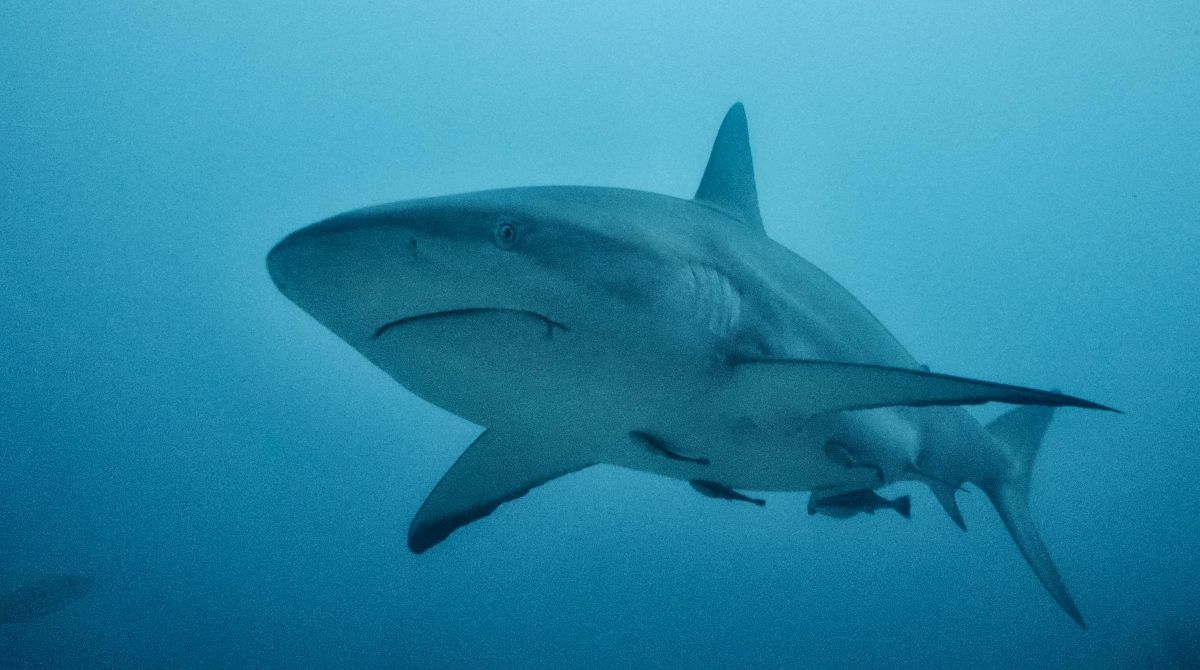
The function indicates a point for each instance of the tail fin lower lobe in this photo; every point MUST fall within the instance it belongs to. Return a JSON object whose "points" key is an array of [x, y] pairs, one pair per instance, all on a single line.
{"points": [[1020, 431]]}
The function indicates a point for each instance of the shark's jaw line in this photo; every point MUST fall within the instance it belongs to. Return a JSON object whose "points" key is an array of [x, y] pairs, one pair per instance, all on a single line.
{"points": [[551, 324]]}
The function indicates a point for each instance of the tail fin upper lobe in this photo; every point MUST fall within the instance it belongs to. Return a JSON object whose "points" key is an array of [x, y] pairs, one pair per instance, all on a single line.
{"points": [[1020, 431]]}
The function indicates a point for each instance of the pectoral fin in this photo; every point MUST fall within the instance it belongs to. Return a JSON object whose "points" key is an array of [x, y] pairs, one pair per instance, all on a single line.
{"points": [[806, 387], [493, 470]]}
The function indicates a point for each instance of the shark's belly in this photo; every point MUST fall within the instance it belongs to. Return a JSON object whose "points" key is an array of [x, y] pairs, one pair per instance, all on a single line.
{"points": [[533, 377], [775, 458], [489, 367], [526, 373]]}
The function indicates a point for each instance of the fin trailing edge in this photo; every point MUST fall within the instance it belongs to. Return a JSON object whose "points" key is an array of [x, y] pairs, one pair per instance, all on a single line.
{"points": [[492, 471]]}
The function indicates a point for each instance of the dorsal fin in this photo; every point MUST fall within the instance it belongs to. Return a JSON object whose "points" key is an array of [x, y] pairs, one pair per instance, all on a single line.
{"points": [[728, 182]]}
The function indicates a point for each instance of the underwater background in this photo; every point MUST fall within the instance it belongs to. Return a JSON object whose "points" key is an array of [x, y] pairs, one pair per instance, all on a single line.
{"points": [[1012, 188]]}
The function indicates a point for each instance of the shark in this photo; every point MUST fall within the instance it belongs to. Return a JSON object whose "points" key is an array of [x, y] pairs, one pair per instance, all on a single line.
{"points": [[582, 325], [43, 597]]}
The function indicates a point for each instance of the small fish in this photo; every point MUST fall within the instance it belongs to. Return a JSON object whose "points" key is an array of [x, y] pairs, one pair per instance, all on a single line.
{"points": [[722, 492], [661, 447], [43, 597], [846, 505]]}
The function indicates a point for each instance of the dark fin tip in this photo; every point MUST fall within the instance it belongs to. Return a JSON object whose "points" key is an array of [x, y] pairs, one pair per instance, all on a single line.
{"points": [[1103, 408], [1076, 401], [424, 537]]}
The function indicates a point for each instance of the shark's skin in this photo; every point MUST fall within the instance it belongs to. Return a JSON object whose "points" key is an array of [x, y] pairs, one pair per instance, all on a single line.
{"points": [[586, 325]]}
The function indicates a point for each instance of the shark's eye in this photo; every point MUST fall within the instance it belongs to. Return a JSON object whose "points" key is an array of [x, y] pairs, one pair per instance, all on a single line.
{"points": [[505, 235]]}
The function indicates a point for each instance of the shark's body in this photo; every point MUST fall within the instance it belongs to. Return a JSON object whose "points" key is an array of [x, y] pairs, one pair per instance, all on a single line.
{"points": [[586, 325]]}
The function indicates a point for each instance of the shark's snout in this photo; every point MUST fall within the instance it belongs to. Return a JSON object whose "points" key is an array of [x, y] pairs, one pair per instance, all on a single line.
{"points": [[282, 262], [358, 270], [310, 254], [411, 247]]}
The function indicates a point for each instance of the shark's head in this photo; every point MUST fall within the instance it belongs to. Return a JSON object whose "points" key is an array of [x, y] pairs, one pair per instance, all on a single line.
{"points": [[502, 279], [359, 271], [478, 300], [370, 271]]}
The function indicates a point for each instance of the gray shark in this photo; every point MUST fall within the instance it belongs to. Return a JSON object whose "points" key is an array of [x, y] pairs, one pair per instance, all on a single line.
{"points": [[584, 326], [43, 597]]}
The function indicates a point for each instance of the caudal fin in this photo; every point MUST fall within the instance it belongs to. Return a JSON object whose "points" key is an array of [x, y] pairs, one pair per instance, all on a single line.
{"points": [[1020, 431], [903, 505]]}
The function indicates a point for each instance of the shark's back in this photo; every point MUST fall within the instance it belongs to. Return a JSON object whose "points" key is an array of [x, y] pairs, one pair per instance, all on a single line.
{"points": [[799, 310]]}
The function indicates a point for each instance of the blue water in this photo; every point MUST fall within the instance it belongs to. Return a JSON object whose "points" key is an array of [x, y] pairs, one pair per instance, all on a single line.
{"points": [[1011, 188]]}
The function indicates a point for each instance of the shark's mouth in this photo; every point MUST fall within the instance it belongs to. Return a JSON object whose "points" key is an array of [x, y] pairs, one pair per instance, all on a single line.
{"points": [[551, 324]]}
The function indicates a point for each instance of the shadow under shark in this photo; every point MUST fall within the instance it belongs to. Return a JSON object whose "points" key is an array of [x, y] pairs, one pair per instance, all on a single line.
{"points": [[587, 325]]}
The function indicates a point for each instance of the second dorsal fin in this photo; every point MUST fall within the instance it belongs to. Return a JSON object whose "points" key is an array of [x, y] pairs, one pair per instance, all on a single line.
{"points": [[728, 182]]}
